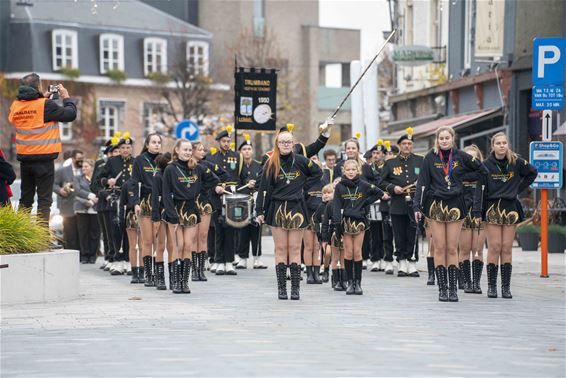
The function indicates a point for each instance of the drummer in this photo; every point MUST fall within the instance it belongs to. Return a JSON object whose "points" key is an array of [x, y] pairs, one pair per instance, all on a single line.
{"points": [[250, 171]]}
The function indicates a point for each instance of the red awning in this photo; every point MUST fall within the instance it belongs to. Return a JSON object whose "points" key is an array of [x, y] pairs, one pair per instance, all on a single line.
{"points": [[455, 121]]}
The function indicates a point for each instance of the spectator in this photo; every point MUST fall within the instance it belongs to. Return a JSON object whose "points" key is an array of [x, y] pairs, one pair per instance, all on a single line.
{"points": [[65, 190], [7, 177], [84, 206], [38, 139]]}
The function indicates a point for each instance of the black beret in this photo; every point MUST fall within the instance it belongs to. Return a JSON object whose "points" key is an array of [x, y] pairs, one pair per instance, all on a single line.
{"points": [[245, 143], [222, 134]]}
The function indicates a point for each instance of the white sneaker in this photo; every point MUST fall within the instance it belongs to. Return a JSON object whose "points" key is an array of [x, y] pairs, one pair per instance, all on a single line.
{"points": [[230, 269], [258, 264], [206, 264], [375, 266], [213, 268], [118, 268], [236, 260], [388, 267], [364, 265], [412, 270], [242, 264], [403, 268], [221, 269], [128, 269]]}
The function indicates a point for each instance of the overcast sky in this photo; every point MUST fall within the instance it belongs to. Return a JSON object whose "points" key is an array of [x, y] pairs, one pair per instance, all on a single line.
{"points": [[370, 16]]}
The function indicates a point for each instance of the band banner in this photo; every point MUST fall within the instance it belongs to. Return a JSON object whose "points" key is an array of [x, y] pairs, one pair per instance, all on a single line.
{"points": [[255, 94]]}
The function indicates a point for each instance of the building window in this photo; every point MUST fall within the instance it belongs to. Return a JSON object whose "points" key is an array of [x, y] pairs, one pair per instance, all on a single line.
{"points": [[111, 52], [66, 129], [469, 34], [259, 18], [65, 49], [197, 57], [155, 55], [111, 115], [153, 117]]}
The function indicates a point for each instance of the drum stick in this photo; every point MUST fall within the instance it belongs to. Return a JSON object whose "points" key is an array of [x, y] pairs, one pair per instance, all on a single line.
{"points": [[416, 246], [242, 187]]}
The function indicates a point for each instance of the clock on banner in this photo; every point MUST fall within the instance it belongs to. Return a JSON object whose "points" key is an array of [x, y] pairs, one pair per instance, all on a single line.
{"points": [[255, 99]]}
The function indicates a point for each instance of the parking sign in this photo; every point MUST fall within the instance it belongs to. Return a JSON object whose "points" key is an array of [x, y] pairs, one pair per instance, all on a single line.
{"points": [[548, 61]]}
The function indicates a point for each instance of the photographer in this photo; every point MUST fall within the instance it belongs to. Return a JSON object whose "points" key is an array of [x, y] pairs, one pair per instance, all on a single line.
{"points": [[38, 139]]}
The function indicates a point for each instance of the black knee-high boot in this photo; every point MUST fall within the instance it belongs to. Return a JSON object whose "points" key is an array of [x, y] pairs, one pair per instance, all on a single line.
{"points": [[349, 265], [477, 269], [295, 280], [442, 278], [459, 276], [149, 282], [202, 265], [316, 274], [452, 283], [430, 267], [195, 267], [160, 276], [492, 280], [170, 266], [466, 270], [177, 276], [310, 277], [506, 270], [185, 276], [335, 279], [281, 272], [325, 274], [358, 267]]}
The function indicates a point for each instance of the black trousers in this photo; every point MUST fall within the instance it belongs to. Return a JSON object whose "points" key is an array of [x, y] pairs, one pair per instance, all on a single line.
{"points": [[247, 235], [224, 241], [387, 234], [117, 238], [100, 219], [107, 229], [89, 235], [211, 240], [404, 230], [367, 245], [37, 178], [71, 233]]}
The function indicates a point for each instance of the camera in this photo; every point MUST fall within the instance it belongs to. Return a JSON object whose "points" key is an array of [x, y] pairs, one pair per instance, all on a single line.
{"points": [[53, 89]]}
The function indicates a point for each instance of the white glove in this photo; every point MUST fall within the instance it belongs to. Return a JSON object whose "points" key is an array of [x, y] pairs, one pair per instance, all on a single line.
{"points": [[326, 127]]}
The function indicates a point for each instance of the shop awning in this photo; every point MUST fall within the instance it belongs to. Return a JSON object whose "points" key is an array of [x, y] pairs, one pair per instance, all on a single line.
{"points": [[456, 122], [561, 130]]}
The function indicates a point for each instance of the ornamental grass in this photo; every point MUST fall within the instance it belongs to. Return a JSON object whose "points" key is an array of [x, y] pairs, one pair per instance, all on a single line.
{"points": [[22, 232]]}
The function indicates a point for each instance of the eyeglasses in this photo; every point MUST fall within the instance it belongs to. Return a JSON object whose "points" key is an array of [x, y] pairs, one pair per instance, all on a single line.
{"points": [[285, 142]]}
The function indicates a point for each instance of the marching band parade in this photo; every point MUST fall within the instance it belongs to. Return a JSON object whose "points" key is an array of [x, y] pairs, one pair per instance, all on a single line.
{"points": [[201, 208]]}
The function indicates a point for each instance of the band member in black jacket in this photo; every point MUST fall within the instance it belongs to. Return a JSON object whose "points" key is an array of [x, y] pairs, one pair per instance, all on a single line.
{"points": [[250, 177], [508, 175], [115, 173], [225, 235], [444, 205], [143, 174], [284, 208], [352, 196], [472, 237], [159, 225], [183, 180], [207, 205], [399, 176], [311, 251], [129, 196]]}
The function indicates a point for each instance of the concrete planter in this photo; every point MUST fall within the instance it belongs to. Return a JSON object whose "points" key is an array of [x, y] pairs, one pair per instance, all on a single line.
{"points": [[40, 277]]}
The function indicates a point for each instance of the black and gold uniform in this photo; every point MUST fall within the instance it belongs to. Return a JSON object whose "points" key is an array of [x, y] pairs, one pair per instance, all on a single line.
{"points": [[327, 176], [313, 199], [120, 169], [441, 178], [181, 187], [102, 208], [285, 205], [471, 183], [327, 229], [403, 171], [157, 207], [250, 234], [351, 200], [128, 199], [206, 202], [300, 149], [144, 171], [503, 182]]}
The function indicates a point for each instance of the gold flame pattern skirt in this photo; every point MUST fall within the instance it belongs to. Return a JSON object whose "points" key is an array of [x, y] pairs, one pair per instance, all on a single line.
{"points": [[204, 206], [451, 210], [288, 215], [469, 222], [335, 242], [132, 221], [188, 213], [503, 212], [353, 226], [145, 205]]}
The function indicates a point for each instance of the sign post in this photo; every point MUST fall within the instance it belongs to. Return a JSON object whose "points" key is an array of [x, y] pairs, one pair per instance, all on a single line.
{"points": [[547, 157]]}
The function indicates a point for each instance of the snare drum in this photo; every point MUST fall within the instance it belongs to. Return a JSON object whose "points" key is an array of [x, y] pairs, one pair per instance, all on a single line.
{"points": [[238, 209], [374, 213]]}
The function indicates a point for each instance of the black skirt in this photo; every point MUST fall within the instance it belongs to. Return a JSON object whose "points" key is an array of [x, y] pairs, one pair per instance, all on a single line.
{"points": [[145, 205], [204, 205], [335, 242], [469, 222], [451, 210], [352, 226], [288, 215], [188, 213], [503, 212], [312, 224], [132, 221]]}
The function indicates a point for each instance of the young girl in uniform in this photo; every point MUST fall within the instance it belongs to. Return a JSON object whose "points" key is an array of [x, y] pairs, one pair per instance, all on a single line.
{"points": [[472, 237], [128, 198], [444, 206], [508, 175], [331, 240], [183, 181], [311, 254], [284, 208], [352, 196]]}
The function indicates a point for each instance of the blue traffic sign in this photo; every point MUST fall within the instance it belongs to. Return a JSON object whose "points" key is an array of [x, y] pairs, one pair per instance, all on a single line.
{"points": [[187, 129], [548, 97], [548, 61], [547, 157]]}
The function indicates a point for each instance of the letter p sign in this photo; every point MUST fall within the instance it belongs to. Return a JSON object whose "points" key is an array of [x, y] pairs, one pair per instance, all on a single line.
{"points": [[548, 61]]}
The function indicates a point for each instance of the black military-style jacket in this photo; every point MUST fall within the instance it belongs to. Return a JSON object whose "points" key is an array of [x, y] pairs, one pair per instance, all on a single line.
{"points": [[327, 176], [251, 171], [229, 161], [118, 168], [401, 171], [97, 188]]}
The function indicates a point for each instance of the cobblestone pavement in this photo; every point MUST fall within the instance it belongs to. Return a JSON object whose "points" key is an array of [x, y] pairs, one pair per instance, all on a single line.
{"points": [[235, 326]]}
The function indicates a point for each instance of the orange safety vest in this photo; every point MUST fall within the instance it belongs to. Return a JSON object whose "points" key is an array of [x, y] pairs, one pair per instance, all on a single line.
{"points": [[33, 135]]}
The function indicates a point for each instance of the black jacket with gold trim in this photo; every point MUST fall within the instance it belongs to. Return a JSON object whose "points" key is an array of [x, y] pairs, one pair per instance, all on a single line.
{"points": [[352, 198], [400, 171]]}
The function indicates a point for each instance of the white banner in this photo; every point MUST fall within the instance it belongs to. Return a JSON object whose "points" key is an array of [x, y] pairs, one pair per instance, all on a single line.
{"points": [[490, 16]]}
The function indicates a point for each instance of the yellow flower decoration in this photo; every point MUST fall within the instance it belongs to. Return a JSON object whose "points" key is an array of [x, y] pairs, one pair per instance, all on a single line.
{"points": [[213, 150], [387, 145], [290, 126], [117, 134], [114, 140], [232, 145], [247, 136], [126, 135], [410, 132], [229, 129], [380, 142], [358, 135]]}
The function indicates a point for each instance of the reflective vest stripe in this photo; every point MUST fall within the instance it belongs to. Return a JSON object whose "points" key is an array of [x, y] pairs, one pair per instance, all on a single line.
{"points": [[36, 131], [37, 142]]}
